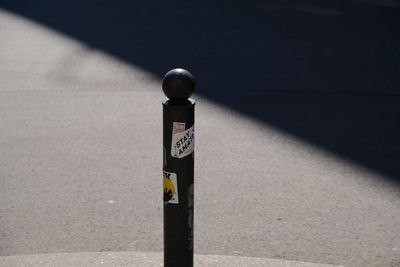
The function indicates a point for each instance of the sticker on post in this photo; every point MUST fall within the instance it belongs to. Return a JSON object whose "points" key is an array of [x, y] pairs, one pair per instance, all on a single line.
{"points": [[170, 184], [178, 127], [182, 143]]}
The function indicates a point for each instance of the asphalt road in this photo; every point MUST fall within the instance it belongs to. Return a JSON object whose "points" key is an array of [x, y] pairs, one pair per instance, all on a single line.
{"points": [[81, 159]]}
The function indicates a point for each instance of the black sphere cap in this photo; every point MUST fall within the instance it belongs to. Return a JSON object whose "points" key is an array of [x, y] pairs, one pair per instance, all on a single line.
{"points": [[178, 84]]}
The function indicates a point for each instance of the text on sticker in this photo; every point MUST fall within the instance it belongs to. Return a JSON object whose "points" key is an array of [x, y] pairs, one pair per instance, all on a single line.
{"points": [[182, 143]]}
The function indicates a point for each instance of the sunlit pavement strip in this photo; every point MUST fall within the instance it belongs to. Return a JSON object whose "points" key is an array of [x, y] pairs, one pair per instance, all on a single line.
{"points": [[142, 259]]}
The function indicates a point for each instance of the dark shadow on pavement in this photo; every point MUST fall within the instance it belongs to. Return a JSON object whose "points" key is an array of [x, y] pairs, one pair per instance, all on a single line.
{"points": [[325, 71]]}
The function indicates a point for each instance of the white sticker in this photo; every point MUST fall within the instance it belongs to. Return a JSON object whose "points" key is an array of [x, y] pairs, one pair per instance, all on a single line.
{"points": [[170, 185], [182, 143]]}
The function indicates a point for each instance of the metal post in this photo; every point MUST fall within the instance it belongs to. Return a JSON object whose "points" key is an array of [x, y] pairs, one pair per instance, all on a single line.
{"points": [[178, 168]]}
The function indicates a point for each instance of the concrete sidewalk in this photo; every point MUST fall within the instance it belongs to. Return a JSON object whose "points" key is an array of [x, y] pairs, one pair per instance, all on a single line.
{"points": [[142, 259]]}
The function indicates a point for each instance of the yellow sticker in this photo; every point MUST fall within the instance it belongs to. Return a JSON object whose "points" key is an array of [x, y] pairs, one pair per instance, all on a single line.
{"points": [[170, 185]]}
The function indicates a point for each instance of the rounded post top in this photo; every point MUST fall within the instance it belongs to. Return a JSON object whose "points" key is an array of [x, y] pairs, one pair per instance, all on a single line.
{"points": [[178, 84]]}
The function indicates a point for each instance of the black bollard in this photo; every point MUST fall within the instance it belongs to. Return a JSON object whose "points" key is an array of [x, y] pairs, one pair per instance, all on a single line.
{"points": [[178, 168]]}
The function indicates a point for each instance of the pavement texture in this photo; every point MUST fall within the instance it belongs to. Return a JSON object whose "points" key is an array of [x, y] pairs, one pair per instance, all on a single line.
{"points": [[81, 152], [149, 259]]}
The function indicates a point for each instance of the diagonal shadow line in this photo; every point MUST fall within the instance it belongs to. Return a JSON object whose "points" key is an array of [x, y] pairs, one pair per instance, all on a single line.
{"points": [[326, 72]]}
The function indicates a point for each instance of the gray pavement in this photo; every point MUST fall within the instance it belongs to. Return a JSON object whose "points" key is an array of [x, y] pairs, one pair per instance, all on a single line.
{"points": [[142, 259], [80, 171]]}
